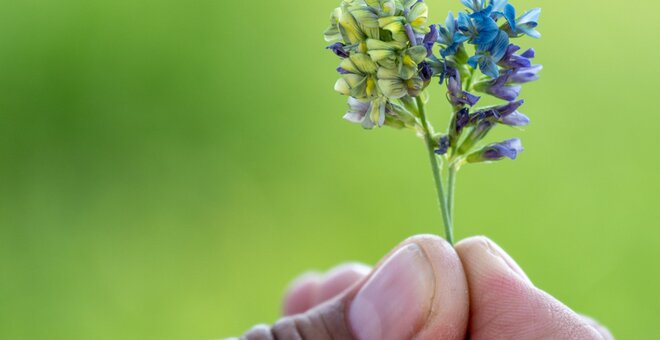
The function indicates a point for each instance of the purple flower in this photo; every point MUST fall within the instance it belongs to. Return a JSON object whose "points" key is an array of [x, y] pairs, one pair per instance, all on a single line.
{"points": [[506, 92], [456, 94], [425, 71], [443, 145], [505, 114], [515, 119], [500, 87], [338, 49], [430, 39], [525, 74], [462, 119], [510, 148], [511, 60], [529, 54], [509, 114]]}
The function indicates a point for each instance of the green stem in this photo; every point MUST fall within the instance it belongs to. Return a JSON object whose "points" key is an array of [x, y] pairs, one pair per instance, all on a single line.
{"points": [[435, 167], [451, 185]]}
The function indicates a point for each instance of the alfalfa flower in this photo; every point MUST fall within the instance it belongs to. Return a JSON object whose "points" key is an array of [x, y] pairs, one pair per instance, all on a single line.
{"points": [[384, 45], [509, 148], [388, 57]]}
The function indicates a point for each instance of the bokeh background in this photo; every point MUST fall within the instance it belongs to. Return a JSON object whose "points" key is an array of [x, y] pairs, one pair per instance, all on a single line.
{"points": [[167, 166]]}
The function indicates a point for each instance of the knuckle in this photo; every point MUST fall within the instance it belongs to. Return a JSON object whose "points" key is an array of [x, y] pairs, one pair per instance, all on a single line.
{"points": [[258, 332], [325, 322]]}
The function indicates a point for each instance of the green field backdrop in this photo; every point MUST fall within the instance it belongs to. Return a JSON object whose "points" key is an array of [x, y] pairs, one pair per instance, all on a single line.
{"points": [[167, 166]]}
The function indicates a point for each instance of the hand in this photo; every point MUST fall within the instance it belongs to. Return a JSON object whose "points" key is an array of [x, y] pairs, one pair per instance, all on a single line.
{"points": [[425, 289]]}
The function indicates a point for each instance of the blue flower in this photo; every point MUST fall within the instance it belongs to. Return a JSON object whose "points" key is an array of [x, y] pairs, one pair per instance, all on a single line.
{"points": [[525, 24], [450, 37], [498, 5], [489, 55], [510, 148], [474, 5], [478, 27]]}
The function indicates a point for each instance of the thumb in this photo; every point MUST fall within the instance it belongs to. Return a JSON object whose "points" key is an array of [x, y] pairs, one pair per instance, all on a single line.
{"points": [[506, 305], [418, 290]]}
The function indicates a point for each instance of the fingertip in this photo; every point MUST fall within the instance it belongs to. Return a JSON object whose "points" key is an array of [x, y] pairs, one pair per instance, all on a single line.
{"points": [[602, 330], [482, 255], [418, 289], [498, 284], [340, 278], [313, 288], [302, 293], [448, 318]]}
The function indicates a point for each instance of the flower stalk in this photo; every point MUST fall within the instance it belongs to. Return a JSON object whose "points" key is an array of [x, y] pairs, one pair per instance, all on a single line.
{"points": [[437, 175], [389, 56]]}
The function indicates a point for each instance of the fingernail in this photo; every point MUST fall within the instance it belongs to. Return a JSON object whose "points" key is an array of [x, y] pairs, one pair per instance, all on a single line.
{"points": [[501, 259], [396, 300]]}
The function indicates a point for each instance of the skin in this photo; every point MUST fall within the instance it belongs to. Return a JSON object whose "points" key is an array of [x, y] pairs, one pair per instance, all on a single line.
{"points": [[474, 290]]}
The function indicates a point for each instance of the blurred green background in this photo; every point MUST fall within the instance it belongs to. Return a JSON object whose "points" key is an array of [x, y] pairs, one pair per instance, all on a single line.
{"points": [[166, 167]]}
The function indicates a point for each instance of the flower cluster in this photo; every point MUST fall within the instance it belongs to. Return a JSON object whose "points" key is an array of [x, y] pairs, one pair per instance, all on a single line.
{"points": [[383, 45], [388, 58], [496, 68], [387, 52]]}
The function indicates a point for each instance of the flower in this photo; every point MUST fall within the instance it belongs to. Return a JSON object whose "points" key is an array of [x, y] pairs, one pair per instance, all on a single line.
{"points": [[338, 49], [458, 97], [487, 56], [462, 118], [384, 44], [510, 148], [500, 88], [479, 28], [499, 5], [387, 62], [430, 39], [450, 37], [525, 24], [425, 71], [525, 74], [358, 77], [515, 118], [511, 60], [443, 145], [521, 71], [393, 85], [478, 133], [359, 113], [509, 114], [417, 16], [474, 5]]}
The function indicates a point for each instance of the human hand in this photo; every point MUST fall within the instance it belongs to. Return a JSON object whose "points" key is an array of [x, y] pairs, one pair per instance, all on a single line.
{"points": [[425, 289]]}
